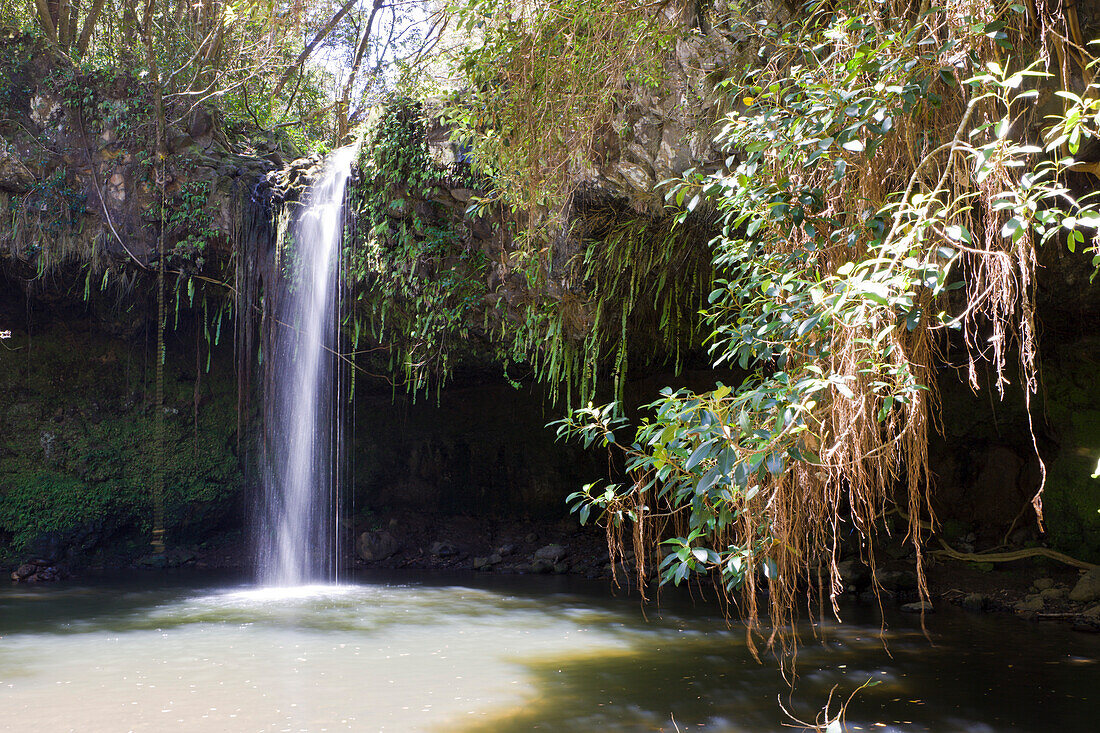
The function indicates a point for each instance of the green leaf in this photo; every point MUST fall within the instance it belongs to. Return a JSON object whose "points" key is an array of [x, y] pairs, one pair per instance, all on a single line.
{"points": [[1013, 228], [698, 455], [707, 481]]}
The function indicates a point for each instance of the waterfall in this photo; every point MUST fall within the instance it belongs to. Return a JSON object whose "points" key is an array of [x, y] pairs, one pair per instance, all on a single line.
{"points": [[296, 526]]}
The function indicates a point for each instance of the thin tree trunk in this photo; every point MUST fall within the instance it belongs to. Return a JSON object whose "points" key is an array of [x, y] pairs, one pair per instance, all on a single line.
{"points": [[63, 24], [90, 20], [129, 33], [45, 19], [360, 51], [70, 35]]}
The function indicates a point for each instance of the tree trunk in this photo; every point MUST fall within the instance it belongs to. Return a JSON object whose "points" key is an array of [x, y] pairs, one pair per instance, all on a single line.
{"points": [[63, 24], [90, 20], [45, 19], [360, 51]]}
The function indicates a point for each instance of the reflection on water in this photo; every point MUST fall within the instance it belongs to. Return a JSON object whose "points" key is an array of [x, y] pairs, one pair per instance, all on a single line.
{"points": [[499, 654]]}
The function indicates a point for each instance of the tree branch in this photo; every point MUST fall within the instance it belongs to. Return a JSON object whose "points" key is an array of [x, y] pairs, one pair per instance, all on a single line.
{"points": [[321, 35]]}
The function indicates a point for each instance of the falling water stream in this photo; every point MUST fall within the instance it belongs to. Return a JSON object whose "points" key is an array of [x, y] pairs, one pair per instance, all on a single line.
{"points": [[296, 531]]}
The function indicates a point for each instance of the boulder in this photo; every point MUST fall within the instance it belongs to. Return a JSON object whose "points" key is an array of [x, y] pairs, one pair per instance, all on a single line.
{"points": [[1052, 594], [1029, 605], [47, 574], [1042, 584], [486, 563], [552, 554], [1087, 588], [443, 549], [896, 581], [25, 570], [854, 575], [376, 545], [638, 177]]}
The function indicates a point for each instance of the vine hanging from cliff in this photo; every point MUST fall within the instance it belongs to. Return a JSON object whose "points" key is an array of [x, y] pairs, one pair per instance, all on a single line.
{"points": [[418, 282], [543, 83], [881, 157]]}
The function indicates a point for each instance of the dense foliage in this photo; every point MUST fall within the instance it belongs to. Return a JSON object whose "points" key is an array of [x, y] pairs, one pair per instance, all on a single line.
{"points": [[541, 82], [418, 283], [879, 159]]}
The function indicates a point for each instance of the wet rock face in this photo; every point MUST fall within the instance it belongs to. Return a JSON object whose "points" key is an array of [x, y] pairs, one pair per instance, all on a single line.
{"points": [[83, 171], [78, 432], [480, 450], [377, 545], [985, 463]]}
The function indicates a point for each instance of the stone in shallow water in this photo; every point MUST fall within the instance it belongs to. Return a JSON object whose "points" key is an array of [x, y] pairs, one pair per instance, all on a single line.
{"points": [[918, 607], [1043, 583], [854, 574], [1053, 594], [975, 602], [898, 581], [485, 563], [24, 571]]}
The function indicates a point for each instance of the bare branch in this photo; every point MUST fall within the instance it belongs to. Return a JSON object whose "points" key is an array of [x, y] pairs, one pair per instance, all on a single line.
{"points": [[321, 35]]}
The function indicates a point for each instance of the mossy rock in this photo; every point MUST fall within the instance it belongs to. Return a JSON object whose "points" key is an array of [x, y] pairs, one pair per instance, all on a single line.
{"points": [[78, 448], [1071, 500]]}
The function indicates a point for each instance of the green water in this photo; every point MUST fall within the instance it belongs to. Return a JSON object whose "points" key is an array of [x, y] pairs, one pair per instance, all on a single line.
{"points": [[474, 653]]}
